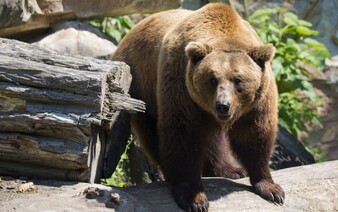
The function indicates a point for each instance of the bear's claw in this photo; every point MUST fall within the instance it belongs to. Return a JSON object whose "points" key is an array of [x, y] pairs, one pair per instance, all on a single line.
{"points": [[188, 201], [236, 173], [270, 191]]}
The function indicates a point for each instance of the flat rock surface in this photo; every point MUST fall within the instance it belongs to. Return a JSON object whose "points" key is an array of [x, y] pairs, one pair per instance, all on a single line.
{"points": [[307, 188]]}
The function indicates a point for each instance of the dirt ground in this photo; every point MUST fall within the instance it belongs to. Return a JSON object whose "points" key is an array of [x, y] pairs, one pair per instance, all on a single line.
{"points": [[48, 195]]}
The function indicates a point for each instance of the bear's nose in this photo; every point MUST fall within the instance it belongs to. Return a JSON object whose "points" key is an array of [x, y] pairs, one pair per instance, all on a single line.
{"points": [[222, 107]]}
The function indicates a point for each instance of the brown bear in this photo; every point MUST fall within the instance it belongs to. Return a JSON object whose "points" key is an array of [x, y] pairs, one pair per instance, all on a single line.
{"points": [[207, 82]]}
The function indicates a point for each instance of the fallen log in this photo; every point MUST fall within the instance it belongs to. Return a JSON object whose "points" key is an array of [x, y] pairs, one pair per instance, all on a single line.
{"points": [[55, 107]]}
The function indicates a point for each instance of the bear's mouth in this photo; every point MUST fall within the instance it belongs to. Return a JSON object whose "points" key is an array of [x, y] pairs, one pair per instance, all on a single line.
{"points": [[223, 117]]}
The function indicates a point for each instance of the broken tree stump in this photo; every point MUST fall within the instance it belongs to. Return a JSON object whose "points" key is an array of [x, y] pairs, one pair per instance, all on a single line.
{"points": [[55, 107]]}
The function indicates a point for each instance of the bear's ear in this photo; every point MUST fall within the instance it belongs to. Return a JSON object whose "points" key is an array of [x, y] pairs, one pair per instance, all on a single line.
{"points": [[262, 54], [196, 51]]}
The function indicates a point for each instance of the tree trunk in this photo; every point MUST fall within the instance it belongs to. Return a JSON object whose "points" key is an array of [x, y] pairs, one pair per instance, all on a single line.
{"points": [[54, 108]]}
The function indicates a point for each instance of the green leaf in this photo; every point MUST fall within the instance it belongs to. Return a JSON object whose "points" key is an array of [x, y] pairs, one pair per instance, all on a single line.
{"points": [[277, 66], [96, 23], [307, 86], [291, 19], [258, 14], [306, 31], [116, 34], [118, 24], [304, 23], [289, 29], [318, 46], [306, 72], [126, 22], [264, 38], [260, 20], [112, 21], [275, 28]]}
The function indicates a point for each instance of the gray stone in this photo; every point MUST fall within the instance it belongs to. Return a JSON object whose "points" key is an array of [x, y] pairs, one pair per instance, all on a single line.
{"points": [[76, 37], [327, 136], [307, 188]]}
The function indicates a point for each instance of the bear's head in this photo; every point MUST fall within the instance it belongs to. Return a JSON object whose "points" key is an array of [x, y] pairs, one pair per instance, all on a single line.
{"points": [[226, 84]]}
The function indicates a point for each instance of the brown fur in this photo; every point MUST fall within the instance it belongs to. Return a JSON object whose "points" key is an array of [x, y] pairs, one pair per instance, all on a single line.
{"points": [[185, 63]]}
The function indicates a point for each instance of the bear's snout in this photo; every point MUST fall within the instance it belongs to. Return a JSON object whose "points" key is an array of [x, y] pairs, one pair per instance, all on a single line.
{"points": [[222, 108]]}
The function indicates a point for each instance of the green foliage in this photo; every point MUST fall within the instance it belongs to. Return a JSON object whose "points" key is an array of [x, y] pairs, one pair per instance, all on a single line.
{"points": [[295, 51], [317, 153], [116, 27], [120, 177]]}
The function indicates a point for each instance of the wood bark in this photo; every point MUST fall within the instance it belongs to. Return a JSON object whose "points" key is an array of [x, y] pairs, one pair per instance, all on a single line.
{"points": [[55, 107]]}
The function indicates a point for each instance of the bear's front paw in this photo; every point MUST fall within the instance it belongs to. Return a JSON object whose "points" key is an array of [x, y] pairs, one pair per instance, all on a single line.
{"points": [[270, 191], [189, 201]]}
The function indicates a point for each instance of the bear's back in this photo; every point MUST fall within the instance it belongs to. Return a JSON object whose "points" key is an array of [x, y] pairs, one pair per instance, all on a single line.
{"points": [[213, 23], [140, 50]]}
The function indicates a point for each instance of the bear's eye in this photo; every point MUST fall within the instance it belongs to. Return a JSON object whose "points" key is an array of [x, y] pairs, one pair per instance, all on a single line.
{"points": [[237, 81], [213, 81]]}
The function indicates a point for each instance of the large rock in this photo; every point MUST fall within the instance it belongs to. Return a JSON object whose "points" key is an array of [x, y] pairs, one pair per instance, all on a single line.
{"points": [[289, 152], [307, 188], [327, 136], [77, 37], [18, 16]]}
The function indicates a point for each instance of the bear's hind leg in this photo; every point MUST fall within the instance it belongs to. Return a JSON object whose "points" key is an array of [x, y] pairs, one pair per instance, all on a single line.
{"points": [[220, 161], [145, 130], [223, 167]]}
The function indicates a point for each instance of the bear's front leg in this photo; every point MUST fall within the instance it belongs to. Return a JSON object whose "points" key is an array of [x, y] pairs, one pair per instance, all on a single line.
{"points": [[180, 160], [220, 161], [256, 161], [253, 145], [190, 199]]}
